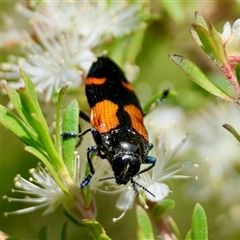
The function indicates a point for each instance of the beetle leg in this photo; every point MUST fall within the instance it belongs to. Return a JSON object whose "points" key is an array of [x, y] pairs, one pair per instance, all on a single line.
{"points": [[94, 150], [150, 145], [148, 160], [159, 100], [66, 135], [84, 116]]}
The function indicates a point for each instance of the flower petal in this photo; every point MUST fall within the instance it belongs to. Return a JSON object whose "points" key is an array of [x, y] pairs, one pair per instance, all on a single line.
{"points": [[160, 190]]}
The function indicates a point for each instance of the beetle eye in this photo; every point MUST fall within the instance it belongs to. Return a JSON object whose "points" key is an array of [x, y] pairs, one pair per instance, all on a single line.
{"points": [[125, 167]]}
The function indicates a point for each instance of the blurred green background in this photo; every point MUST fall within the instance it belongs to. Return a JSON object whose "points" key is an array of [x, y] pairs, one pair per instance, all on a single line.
{"points": [[166, 34]]}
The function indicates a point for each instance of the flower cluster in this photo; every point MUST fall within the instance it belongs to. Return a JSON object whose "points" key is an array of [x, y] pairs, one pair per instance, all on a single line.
{"points": [[231, 42], [43, 190], [59, 49]]}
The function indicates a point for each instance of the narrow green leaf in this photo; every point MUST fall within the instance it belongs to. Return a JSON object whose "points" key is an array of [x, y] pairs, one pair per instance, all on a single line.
{"points": [[15, 99], [74, 220], [59, 119], [161, 207], [47, 144], [198, 76], [43, 233], [17, 126], [208, 44], [195, 36], [200, 20], [232, 130], [145, 230], [30, 88], [44, 158], [189, 235], [64, 231], [218, 42], [199, 224], [29, 108], [70, 124], [97, 230]]}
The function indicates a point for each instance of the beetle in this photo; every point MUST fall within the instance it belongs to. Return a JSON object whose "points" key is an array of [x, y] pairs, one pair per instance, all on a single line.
{"points": [[117, 124]]}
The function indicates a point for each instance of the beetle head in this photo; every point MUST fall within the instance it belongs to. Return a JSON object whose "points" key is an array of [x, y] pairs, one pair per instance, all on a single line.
{"points": [[125, 167]]}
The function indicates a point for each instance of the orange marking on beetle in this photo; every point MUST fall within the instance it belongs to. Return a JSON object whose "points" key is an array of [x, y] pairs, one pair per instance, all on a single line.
{"points": [[137, 120], [96, 81], [104, 116], [127, 86]]}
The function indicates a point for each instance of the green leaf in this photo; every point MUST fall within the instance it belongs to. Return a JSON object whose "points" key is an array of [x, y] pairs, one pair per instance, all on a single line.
{"points": [[59, 119], [199, 223], [43, 233], [232, 130], [16, 101], [195, 36], [208, 44], [47, 144], [97, 230], [218, 42], [64, 231], [17, 126], [30, 108], [161, 207], [70, 124], [145, 230], [74, 220], [198, 76], [200, 20], [30, 88], [189, 235]]}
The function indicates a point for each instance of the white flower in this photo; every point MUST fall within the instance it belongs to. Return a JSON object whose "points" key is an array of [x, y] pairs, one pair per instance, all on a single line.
{"points": [[56, 63], [228, 31], [218, 149], [40, 189], [231, 40], [66, 33], [88, 19], [164, 151]]}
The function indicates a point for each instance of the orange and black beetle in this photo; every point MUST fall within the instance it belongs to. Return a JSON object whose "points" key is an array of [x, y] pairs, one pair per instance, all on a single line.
{"points": [[117, 120]]}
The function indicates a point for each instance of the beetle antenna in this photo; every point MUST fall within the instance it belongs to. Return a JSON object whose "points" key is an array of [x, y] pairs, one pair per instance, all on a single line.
{"points": [[145, 189], [134, 183], [108, 178]]}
